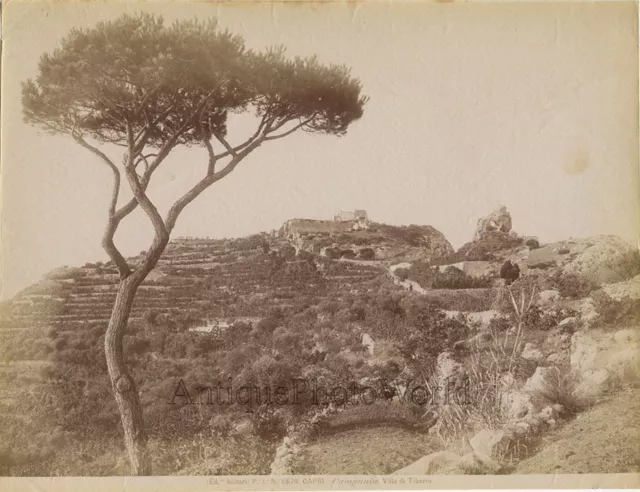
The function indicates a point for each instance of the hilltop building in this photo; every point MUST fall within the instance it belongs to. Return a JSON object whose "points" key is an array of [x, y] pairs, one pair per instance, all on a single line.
{"points": [[360, 218], [344, 221]]}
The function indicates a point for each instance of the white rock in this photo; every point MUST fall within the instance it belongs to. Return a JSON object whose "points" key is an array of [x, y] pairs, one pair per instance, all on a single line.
{"points": [[487, 441], [627, 336], [601, 260], [629, 288], [571, 320], [516, 404], [435, 463], [479, 464], [537, 382], [548, 297], [584, 349], [531, 352]]}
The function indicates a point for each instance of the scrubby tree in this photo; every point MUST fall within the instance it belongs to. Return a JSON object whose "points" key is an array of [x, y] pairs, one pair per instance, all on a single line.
{"points": [[510, 272], [149, 88]]}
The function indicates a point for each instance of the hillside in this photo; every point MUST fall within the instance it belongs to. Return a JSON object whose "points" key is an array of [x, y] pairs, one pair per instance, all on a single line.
{"points": [[340, 304], [203, 278]]}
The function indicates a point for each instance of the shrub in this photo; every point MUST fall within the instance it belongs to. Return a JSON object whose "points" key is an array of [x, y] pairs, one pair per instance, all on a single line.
{"points": [[348, 254], [572, 286], [500, 323], [614, 312], [333, 253], [367, 254], [629, 265], [510, 272], [559, 386], [532, 243], [537, 319], [451, 278]]}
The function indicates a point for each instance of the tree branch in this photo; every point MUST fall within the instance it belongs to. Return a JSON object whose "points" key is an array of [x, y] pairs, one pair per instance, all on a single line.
{"points": [[112, 224], [289, 132], [211, 177], [139, 192]]}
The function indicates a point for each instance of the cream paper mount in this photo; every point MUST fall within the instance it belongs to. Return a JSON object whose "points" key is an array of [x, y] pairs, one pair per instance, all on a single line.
{"points": [[359, 245]]}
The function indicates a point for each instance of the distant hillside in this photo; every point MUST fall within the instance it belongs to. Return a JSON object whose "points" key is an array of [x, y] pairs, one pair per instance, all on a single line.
{"points": [[202, 278]]}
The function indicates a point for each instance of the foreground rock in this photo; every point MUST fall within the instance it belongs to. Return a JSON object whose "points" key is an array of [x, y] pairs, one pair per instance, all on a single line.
{"points": [[449, 463], [600, 360]]}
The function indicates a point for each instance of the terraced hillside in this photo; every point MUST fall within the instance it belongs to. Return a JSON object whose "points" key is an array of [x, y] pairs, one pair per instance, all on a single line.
{"points": [[204, 278]]}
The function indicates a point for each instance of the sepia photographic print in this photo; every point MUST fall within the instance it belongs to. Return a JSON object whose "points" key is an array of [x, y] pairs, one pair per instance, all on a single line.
{"points": [[319, 245]]}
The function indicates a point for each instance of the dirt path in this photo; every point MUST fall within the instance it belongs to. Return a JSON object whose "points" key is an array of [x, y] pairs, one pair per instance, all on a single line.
{"points": [[409, 285], [378, 450]]}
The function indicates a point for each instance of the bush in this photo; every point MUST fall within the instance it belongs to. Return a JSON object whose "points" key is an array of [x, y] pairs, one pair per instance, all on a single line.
{"points": [[532, 243], [332, 253], [572, 286], [559, 386], [347, 254], [510, 272], [367, 254], [537, 319], [629, 266], [615, 312], [452, 277]]}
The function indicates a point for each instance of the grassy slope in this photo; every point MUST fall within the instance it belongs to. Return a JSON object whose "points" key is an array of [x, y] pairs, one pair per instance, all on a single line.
{"points": [[604, 439]]}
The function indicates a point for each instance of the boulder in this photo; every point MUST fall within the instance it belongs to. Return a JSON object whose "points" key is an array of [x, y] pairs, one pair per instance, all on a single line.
{"points": [[597, 358], [602, 260], [491, 442], [499, 220], [438, 463], [542, 258], [584, 349], [538, 381], [475, 463], [629, 288], [568, 324], [516, 404], [555, 358], [548, 298], [531, 352]]}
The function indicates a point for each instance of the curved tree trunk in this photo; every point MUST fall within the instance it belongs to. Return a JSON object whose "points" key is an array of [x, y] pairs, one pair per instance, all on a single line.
{"points": [[124, 386]]}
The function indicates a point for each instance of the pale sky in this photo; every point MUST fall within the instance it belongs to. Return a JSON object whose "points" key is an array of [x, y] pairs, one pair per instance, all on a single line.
{"points": [[534, 106]]}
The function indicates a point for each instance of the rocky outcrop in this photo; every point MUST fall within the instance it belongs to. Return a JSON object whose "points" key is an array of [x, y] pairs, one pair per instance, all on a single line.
{"points": [[629, 288], [498, 221], [493, 239], [601, 359], [601, 259]]}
